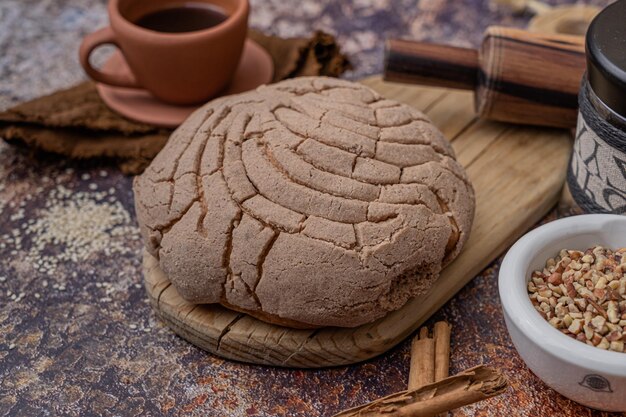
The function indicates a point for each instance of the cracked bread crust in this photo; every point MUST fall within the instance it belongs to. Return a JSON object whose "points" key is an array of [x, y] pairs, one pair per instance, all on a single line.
{"points": [[310, 202]]}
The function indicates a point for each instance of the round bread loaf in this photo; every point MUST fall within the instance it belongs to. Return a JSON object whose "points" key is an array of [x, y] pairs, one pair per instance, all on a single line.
{"points": [[310, 202]]}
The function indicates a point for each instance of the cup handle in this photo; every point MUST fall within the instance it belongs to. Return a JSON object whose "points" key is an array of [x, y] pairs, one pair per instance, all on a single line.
{"points": [[91, 42]]}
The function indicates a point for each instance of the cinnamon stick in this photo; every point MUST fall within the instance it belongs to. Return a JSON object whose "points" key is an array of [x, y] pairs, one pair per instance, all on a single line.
{"points": [[441, 335], [465, 388], [422, 368]]}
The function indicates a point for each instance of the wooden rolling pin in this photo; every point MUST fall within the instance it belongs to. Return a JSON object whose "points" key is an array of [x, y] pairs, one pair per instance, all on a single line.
{"points": [[518, 76]]}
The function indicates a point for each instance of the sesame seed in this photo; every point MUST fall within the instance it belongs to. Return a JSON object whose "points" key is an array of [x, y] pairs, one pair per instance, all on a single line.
{"points": [[77, 225]]}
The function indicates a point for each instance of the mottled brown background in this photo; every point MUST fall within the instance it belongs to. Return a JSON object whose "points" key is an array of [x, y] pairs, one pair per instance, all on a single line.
{"points": [[79, 338]]}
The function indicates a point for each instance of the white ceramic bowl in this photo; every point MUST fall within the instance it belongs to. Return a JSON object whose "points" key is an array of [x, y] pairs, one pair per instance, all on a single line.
{"points": [[588, 375]]}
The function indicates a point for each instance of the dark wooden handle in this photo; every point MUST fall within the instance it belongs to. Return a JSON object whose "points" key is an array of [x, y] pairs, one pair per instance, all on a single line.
{"points": [[530, 78], [431, 64], [519, 76]]}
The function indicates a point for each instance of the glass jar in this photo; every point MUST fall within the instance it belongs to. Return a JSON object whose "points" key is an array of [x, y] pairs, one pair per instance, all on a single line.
{"points": [[597, 173]]}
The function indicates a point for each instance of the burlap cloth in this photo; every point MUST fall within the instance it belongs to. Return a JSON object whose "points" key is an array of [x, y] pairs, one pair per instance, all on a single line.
{"points": [[76, 123]]}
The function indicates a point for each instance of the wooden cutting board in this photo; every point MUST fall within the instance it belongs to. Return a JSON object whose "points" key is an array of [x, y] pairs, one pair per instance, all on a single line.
{"points": [[517, 173]]}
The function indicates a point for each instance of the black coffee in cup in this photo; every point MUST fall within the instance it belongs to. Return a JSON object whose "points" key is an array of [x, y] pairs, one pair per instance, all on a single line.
{"points": [[186, 17]]}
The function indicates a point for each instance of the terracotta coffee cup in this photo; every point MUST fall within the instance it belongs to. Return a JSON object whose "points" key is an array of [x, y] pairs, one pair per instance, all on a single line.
{"points": [[178, 68]]}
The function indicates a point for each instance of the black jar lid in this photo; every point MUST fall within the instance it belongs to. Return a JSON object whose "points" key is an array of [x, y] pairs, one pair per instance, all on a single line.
{"points": [[606, 56]]}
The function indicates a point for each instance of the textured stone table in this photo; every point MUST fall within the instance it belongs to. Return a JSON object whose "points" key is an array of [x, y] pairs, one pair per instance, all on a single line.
{"points": [[77, 336]]}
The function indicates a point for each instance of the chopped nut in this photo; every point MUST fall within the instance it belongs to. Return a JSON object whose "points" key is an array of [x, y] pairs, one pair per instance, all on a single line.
{"points": [[596, 339], [571, 291], [601, 283], [545, 293], [555, 278], [576, 326], [614, 335], [567, 320], [555, 322], [538, 280], [575, 254], [611, 312], [604, 344], [612, 295], [556, 290], [597, 323], [599, 293], [581, 303], [598, 308], [560, 310], [583, 295]]}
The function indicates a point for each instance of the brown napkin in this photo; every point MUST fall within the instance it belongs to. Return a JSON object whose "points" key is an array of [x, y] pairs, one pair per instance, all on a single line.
{"points": [[77, 124]]}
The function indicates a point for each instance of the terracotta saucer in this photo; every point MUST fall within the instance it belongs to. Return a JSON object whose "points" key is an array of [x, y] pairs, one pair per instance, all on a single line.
{"points": [[255, 68]]}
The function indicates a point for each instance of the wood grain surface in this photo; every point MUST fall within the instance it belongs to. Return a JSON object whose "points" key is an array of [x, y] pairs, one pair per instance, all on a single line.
{"points": [[431, 64], [518, 76], [530, 78], [517, 172]]}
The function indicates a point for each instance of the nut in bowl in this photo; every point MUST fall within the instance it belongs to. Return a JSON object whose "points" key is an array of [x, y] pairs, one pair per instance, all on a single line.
{"points": [[588, 373]]}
